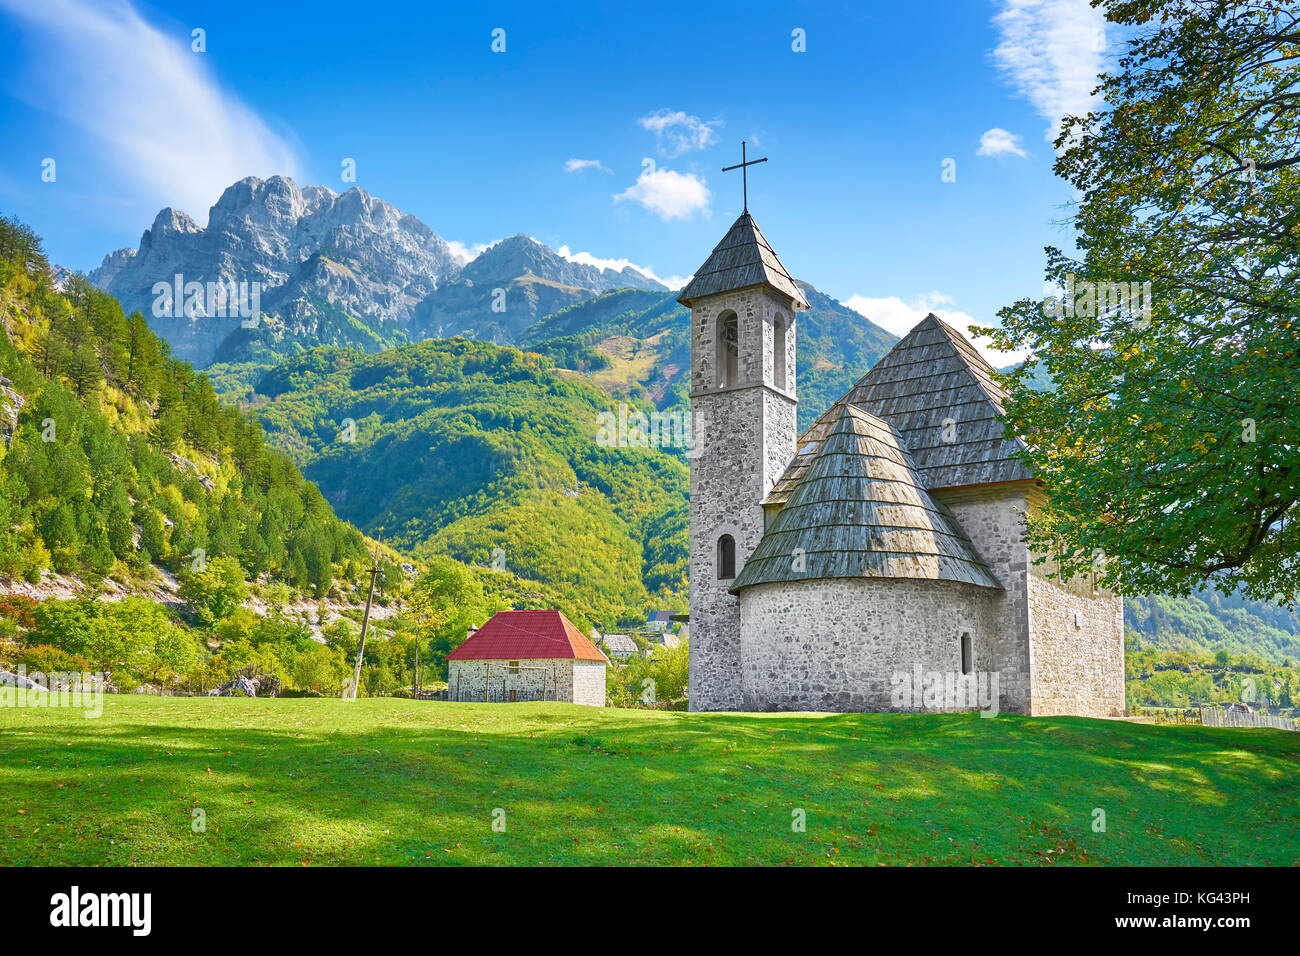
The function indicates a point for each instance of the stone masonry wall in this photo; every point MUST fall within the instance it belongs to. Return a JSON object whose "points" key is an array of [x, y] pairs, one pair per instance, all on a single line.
{"points": [[993, 518], [744, 438], [837, 644], [589, 683], [1076, 646], [580, 682]]}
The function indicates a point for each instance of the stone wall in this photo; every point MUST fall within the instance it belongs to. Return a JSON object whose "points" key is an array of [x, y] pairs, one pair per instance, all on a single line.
{"points": [[837, 644], [744, 438], [589, 683], [1076, 647], [579, 682], [992, 517]]}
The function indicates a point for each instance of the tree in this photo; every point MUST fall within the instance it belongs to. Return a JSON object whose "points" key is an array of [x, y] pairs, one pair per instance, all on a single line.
{"points": [[1169, 443], [216, 590], [444, 603]]}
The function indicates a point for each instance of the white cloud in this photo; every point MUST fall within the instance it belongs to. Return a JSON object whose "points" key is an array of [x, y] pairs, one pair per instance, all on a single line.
{"points": [[999, 142], [667, 193], [679, 132], [894, 315], [1051, 51], [578, 165], [162, 121], [465, 252], [618, 265]]}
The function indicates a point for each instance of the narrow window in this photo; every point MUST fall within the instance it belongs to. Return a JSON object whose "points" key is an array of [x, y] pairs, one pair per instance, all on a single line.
{"points": [[728, 350], [967, 658], [726, 558], [778, 351], [514, 667]]}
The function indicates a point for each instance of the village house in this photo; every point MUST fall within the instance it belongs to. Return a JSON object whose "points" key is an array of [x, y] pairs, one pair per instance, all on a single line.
{"points": [[619, 646], [659, 620], [527, 655]]}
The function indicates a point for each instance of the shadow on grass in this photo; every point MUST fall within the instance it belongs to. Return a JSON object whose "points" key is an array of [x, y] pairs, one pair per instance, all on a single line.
{"points": [[392, 782]]}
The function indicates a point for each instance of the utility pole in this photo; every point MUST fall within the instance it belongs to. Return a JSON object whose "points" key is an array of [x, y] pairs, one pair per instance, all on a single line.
{"points": [[416, 686], [365, 623]]}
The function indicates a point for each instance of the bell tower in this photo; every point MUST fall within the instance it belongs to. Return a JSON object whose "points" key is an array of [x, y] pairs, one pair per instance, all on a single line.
{"points": [[743, 304]]}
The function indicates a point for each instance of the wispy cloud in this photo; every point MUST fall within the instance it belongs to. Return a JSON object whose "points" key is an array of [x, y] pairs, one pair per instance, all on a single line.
{"points": [[679, 132], [895, 315], [667, 193], [1051, 51], [162, 121], [578, 165], [999, 142]]}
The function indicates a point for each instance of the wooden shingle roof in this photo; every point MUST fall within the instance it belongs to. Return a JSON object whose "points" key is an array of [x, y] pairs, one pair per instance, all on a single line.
{"points": [[932, 375], [861, 511], [743, 258]]}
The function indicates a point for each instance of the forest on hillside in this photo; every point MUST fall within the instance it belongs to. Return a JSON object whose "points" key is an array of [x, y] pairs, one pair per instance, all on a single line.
{"points": [[118, 458], [493, 457]]}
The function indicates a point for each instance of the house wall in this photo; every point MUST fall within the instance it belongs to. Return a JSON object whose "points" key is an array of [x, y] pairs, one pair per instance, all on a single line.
{"points": [[589, 683], [839, 644], [579, 682], [743, 439]]}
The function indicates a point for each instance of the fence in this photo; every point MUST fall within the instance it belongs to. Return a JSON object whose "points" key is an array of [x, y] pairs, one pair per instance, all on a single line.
{"points": [[1215, 717]]}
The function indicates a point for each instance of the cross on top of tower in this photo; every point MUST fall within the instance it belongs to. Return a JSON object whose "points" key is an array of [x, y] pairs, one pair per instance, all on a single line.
{"points": [[743, 166]]}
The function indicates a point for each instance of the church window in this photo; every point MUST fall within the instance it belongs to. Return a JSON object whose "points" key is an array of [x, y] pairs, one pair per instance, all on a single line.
{"points": [[967, 657], [728, 350], [726, 557], [778, 351]]}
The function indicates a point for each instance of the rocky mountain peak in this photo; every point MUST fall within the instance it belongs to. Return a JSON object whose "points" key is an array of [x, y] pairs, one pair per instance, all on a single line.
{"points": [[265, 231], [342, 268]]}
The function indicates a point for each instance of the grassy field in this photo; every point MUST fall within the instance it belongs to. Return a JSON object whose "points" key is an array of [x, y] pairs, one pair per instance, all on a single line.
{"points": [[321, 782]]}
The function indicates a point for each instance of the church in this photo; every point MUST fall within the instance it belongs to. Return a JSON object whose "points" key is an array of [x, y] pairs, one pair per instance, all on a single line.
{"points": [[833, 570]]}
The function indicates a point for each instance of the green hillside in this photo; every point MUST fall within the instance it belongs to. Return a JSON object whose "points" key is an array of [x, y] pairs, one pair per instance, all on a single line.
{"points": [[117, 458], [489, 455], [639, 342], [329, 782], [1209, 621]]}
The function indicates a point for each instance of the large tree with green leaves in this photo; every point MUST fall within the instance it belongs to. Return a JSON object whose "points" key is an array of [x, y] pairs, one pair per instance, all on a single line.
{"points": [[1169, 442]]}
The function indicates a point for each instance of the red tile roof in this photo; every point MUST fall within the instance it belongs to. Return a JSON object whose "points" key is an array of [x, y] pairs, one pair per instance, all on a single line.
{"points": [[527, 635]]}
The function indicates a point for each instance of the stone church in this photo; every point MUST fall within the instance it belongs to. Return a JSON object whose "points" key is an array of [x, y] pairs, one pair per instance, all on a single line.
{"points": [[884, 548]]}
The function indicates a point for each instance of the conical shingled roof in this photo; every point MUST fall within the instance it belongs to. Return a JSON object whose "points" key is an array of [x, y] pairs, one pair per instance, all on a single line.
{"points": [[933, 374], [742, 259], [861, 511]]}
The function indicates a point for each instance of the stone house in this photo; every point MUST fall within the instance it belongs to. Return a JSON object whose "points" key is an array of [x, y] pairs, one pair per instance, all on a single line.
{"points": [[851, 567], [527, 655], [619, 646]]}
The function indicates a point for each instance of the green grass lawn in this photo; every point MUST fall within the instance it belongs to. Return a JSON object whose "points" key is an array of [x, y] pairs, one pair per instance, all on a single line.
{"points": [[321, 782]]}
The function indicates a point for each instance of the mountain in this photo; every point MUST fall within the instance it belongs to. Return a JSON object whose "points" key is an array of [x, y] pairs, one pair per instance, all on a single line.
{"points": [[511, 285], [639, 343], [318, 255], [331, 268], [1207, 621], [118, 461], [490, 456]]}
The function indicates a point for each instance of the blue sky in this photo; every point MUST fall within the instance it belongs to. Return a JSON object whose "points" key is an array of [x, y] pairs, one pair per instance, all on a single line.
{"points": [[650, 99]]}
